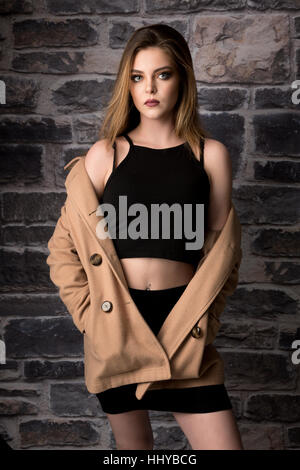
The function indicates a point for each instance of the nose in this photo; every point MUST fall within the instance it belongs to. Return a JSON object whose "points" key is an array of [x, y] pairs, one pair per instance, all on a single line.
{"points": [[150, 85]]}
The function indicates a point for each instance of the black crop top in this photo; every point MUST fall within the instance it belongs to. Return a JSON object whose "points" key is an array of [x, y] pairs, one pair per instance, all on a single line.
{"points": [[157, 178]]}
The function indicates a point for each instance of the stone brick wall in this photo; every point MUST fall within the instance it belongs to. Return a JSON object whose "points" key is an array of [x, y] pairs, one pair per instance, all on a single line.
{"points": [[58, 60]]}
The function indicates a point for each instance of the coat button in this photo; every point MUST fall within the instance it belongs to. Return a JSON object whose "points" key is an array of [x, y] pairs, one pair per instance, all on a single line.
{"points": [[96, 259], [106, 306], [196, 332]]}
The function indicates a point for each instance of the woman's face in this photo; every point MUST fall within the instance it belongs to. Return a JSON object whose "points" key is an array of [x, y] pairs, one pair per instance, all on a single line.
{"points": [[149, 83]]}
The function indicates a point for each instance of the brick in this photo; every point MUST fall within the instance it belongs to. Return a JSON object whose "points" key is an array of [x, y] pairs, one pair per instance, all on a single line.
{"points": [[270, 4], [277, 133], [297, 26], [66, 157], [22, 392], [175, 6], [86, 130], [281, 407], [224, 99], [49, 432], [12, 235], [297, 63], [39, 33], [273, 98], [35, 130], [32, 207], [120, 31], [263, 436], [262, 304], [24, 272], [28, 305], [287, 335], [10, 407], [276, 242], [21, 164], [83, 95], [226, 48], [293, 434], [229, 129], [56, 7], [282, 172], [246, 370], [19, 7], [283, 272], [258, 204], [53, 369], [169, 437], [73, 399], [10, 370], [48, 62], [21, 94], [244, 334], [5, 436], [260, 270], [30, 338]]}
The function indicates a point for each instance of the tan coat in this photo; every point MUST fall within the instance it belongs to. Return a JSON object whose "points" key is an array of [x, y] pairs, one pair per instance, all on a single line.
{"points": [[119, 346]]}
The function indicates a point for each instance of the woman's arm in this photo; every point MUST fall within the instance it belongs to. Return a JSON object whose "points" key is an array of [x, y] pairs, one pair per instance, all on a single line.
{"points": [[67, 273], [219, 169], [218, 166]]}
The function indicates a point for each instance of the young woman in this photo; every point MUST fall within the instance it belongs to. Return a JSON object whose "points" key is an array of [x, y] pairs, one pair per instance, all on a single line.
{"points": [[151, 149]]}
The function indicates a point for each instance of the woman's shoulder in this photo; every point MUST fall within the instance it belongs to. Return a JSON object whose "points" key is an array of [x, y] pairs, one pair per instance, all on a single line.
{"points": [[215, 152], [97, 162], [214, 145], [99, 151], [217, 160], [102, 151]]}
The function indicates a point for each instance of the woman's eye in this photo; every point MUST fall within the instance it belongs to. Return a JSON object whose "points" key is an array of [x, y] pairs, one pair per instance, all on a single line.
{"points": [[133, 77], [165, 73]]}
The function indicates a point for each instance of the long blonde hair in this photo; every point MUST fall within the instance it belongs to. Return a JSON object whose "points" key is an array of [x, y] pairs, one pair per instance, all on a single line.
{"points": [[121, 115]]}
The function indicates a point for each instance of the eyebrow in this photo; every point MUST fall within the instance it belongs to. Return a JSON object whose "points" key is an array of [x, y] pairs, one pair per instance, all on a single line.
{"points": [[156, 70]]}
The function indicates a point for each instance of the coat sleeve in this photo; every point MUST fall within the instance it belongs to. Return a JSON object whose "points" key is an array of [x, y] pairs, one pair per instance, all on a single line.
{"points": [[211, 237], [218, 305], [67, 272]]}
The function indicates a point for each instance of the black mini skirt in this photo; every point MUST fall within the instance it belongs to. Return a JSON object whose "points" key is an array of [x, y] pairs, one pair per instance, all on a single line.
{"points": [[155, 306]]}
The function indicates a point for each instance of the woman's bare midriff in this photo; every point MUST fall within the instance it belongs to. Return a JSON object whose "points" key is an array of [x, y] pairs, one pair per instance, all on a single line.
{"points": [[156, 273]]}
